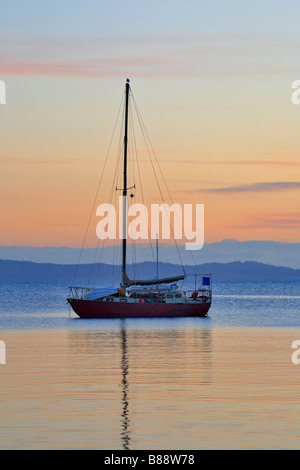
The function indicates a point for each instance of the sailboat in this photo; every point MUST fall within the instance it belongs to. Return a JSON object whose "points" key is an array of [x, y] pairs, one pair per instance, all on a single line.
{"points": [[141, 298]]}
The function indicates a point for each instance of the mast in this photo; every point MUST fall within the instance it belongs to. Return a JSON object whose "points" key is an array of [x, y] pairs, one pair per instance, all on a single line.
{"points": [[124, 220], [126, 282], [157, 255]]}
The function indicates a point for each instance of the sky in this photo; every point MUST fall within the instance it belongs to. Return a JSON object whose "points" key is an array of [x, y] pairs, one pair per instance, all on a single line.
{"points": [[213, 82]]}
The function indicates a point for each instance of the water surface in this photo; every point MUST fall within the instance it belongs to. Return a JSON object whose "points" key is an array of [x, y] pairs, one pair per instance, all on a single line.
{"points": [[223, 382]]}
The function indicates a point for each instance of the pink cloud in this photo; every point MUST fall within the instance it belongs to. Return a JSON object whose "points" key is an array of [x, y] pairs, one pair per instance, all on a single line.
{"points": [[163, 56], [36, 161], [274, 186], [272, 220], [241, 162]]}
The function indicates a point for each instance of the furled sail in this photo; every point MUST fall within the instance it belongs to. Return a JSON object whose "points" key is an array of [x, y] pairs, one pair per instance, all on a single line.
{"points": [[167, 280]]}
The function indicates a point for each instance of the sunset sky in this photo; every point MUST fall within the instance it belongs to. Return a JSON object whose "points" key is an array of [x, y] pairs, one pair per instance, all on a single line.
{"points": [[213, 83]]}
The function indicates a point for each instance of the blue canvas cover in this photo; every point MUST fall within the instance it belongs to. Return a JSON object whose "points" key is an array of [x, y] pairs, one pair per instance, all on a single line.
{"points": [[100, 293]]}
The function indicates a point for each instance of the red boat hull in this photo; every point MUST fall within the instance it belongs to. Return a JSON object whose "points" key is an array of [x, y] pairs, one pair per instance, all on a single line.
{"points": [[98, 309]]}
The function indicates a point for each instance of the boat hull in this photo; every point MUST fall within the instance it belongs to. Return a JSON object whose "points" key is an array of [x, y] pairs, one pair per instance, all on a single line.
{"points": [[98, 309]]}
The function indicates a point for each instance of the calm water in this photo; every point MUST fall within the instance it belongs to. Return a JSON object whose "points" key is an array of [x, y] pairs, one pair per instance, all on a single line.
{"points": [[226, 381], [243, 304]]}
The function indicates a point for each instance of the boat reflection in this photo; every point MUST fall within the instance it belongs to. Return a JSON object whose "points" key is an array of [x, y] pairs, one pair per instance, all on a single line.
{"points": [[152, 361]]}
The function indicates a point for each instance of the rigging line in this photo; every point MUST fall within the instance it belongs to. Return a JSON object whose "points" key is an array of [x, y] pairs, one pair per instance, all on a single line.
{"points": [[115, 248], [118, 256], [162, 175], [112, 191], [196, 265], [95, 256], [133, 252], [132, 245], [142, 191], [93, 264], [96, 251], [130, 142], [190, 251], [170, 196], [114, 184], [96, 195], [161, 195], [143, 128]]}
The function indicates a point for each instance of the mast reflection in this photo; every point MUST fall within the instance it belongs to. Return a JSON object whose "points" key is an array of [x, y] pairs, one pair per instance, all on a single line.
{"points": [[125, 434]]}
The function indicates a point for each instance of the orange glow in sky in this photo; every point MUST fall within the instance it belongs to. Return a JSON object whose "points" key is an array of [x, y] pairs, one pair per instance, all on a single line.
{"points": [[215, 99]]}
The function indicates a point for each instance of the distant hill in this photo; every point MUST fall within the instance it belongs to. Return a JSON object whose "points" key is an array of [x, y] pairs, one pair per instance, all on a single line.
{"points": [[47, 272], [226, 251]]}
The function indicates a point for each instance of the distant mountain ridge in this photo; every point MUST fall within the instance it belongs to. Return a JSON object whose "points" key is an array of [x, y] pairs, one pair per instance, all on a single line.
{"points": [[48, 272], [226, 251]]}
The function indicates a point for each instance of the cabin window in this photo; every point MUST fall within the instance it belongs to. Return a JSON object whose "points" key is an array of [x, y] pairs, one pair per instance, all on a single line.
{"points": [[169, 296], [178, 296]]}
